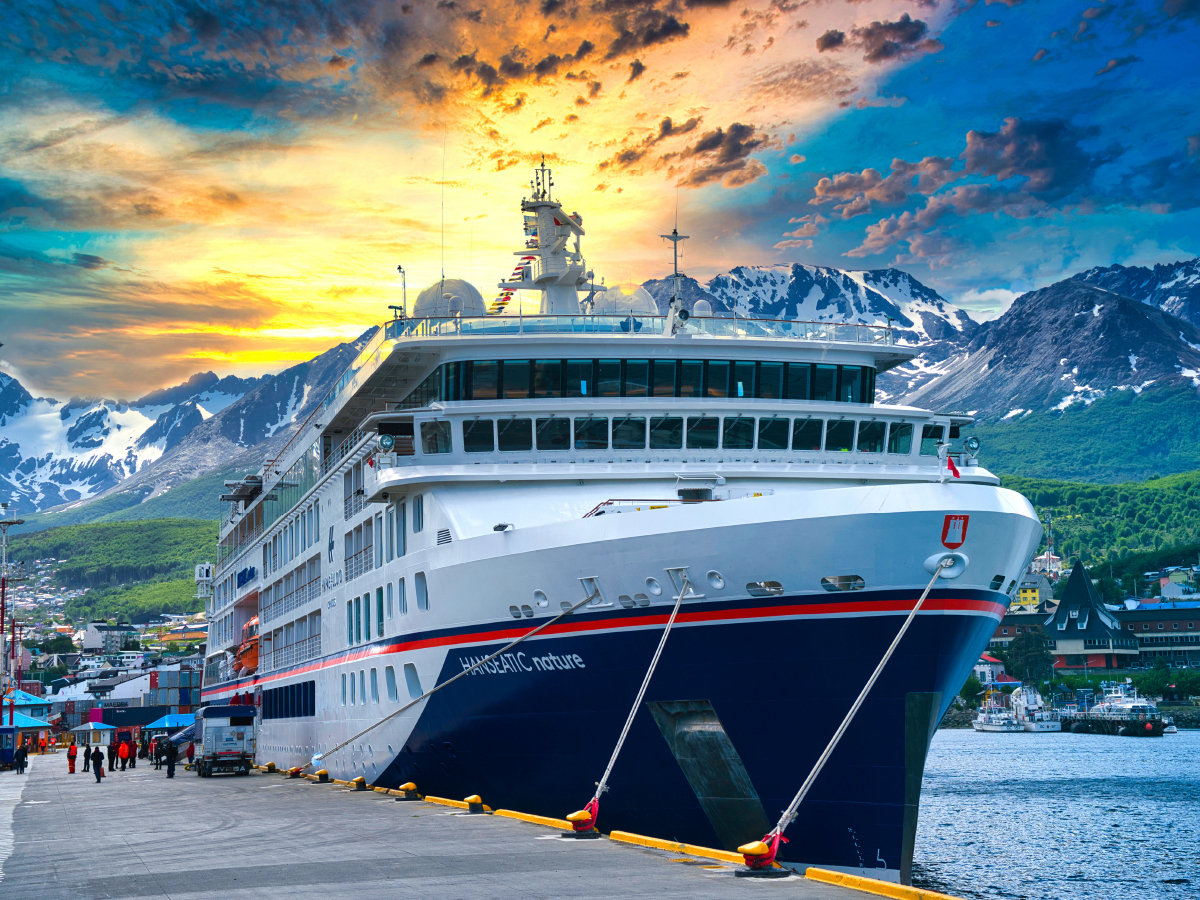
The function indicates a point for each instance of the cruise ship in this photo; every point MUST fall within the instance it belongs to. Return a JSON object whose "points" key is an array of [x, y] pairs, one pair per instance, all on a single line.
{"points": [[478, 471]]}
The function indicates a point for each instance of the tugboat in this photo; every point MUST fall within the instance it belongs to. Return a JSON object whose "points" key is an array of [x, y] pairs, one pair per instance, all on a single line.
{"points": [[1030, 710], [1122, 712]]}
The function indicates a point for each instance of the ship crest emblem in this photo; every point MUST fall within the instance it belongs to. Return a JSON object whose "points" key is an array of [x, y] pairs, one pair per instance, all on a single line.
{"points": [[954, 531]]}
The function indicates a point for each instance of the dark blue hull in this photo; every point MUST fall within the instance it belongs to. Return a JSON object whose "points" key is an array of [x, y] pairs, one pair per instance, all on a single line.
{"points": [[536, 735]]}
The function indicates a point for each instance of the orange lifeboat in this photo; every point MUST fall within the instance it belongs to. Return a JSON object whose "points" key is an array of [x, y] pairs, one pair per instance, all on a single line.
{"points": [[247, 655]]}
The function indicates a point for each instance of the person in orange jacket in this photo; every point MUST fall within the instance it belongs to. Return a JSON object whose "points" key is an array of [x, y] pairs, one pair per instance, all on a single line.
{"points": [[123, 753], [43, 746], [72, 752]]}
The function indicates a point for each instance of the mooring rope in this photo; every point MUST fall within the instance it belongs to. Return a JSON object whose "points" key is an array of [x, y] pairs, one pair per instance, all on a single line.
{"points": [[789, 814], [317, 758], [601, 785]]}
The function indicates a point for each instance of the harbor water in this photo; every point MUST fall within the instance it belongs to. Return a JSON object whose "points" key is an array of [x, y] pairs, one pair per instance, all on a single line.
{"points": [[1060, 817]]}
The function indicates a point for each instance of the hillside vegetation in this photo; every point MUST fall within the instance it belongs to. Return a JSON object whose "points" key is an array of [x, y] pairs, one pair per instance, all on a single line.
{"points": [[110, 554], [138, 602]]}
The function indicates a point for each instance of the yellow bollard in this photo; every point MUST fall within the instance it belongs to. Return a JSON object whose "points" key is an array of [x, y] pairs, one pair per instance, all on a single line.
{"points": [[360, 783], [474, 803]]}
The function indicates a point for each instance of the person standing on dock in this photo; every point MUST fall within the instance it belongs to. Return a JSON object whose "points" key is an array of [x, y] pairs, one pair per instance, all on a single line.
{"points": [[172, 755], [72, 752], [42, 744], [98, 764], [191, 753], [87, 759], [112, 755], [20, 759], [123, 753], [133, 753]]}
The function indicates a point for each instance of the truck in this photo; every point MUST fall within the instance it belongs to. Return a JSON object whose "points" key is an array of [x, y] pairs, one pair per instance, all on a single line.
{"points": [[225, 738]]}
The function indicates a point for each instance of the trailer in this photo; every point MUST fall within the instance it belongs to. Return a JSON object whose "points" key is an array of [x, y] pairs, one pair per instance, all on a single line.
{"points": [[225, 740]]}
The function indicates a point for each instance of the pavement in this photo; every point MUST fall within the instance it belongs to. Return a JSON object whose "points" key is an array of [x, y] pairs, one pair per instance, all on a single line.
{"points": [[138, 834]]}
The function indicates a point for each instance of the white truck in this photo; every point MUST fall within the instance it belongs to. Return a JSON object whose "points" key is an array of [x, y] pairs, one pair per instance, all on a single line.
{"points": [[225, 738]]}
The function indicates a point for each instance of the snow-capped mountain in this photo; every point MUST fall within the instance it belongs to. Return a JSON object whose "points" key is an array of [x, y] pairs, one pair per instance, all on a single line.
{"points": [[1172, 287], [821, 294], [54, 452], [1067, 344]]}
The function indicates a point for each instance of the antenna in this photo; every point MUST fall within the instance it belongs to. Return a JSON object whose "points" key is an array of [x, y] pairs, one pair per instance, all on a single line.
{"points": [[676, 314]]}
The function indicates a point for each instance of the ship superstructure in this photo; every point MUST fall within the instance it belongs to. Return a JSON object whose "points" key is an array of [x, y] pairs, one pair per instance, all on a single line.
{"points": [[471, 475]]}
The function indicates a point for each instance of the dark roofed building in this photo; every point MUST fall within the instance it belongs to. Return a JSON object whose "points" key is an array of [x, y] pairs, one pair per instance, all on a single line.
{"points": [[1083, 634]]}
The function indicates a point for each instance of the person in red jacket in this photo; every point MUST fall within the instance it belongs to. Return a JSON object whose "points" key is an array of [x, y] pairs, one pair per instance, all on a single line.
{"points": [[191, 753], [123, 753], [72, 752]]}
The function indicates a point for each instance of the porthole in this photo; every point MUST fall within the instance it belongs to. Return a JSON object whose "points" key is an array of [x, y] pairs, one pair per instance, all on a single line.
{"points": [[514, 612], [539, 597], [641, 599], [715, 579], [626, 601], [835, 583], [653, 586], [997, 583], [527, 610], [766, 588]]}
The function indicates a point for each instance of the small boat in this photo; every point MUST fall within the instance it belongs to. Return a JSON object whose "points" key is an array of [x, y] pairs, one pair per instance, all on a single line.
{"points": [[246, 661], [1030, 710], [994, 715], [1169, 726]]}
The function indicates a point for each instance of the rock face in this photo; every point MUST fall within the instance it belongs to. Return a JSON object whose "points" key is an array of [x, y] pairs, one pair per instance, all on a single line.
{"points": [[54, 452], [1070, 343], [1173, 287]]}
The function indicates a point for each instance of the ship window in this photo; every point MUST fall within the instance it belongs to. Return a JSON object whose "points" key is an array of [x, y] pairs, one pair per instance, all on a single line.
{"points": [[663, 380], [839, 436], [353, 692], [412, 682], [870, 437], [357, 620], [485, 380], [591, 434], [835, 583], [850, 384], [547, 378], [1174, 624], [666, 433], [579, 378], [343, 689], [418, 513], [608, 378], [390, 607], [379, 610], [629, 433], [515, 434], [1145, 626], [900, 438], [362, 687], [374, 685], [514, 378], [389, 681], [773, 433], [931, 436], [349, 622], [717, 382], [401, 598], [743, 379], [702, 432], [366, 609], [798, 381], [636, 382], [770, 381], [402, 529], [738, 433], [764, 589], [691, 378], [997, 583], [553, 434], [435, 437], [479, 436], [806, 434], [825, 383], [422, 593]]}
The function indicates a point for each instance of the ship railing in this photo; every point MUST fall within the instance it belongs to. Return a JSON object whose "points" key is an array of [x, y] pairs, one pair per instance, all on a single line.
{"points": [[622, 505], [288, 602], [360, 563], [227, 552], [301, 651], [352, 504]]}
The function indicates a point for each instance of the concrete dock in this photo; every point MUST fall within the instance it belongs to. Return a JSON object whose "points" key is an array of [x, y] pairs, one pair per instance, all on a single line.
{"points": [[64, 837]]}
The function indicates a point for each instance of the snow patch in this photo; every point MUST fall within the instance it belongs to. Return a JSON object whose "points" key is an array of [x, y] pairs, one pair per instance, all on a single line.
{"points": [[1012, 413], [1133, 360]]}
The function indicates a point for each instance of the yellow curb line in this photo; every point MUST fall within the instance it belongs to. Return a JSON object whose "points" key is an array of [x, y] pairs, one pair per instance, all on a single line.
{"points": [[691, 849], [460, 804], [875, 886], [536, 820]]}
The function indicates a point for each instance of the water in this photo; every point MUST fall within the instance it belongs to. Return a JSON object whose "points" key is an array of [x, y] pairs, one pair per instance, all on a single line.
{"points": [[1060, 817]]}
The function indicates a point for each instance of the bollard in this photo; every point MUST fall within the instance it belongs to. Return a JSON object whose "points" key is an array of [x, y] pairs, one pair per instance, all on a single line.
{"points": [[474, 803], [760, 858], [410, 792], [295, 772], [322, 777], [270, 767], [360, 783]]}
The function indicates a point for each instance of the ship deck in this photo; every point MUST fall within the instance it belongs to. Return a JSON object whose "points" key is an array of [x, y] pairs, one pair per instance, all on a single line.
{"points": [[140, 835]]}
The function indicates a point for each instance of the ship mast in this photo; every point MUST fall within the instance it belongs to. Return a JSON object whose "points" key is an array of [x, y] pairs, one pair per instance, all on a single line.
{"points": [[676, 314]]}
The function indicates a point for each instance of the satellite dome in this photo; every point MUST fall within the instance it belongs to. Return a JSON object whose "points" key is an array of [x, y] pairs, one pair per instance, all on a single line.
{"points": [[448, 297], [702, 308], [621, 299]]}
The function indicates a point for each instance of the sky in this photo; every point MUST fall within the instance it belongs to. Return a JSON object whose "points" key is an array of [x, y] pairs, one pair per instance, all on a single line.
{"points": [[192, 186]]}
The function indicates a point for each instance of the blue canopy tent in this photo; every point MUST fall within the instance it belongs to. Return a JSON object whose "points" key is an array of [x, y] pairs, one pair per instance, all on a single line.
{"points": [[170, 723], [91, 733], [13, 727]]}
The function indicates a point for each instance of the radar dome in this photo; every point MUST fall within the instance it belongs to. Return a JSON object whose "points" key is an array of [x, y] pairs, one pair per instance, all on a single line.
{"points": [[621, 299], [448, 297], [702, 308]]}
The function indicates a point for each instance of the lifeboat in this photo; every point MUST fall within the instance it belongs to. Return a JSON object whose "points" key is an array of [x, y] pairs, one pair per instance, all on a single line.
{"points": [[246, 661]]}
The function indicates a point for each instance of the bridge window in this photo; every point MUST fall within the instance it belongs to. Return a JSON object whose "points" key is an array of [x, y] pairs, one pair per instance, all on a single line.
{"points": [[691, 378], [554, 434], [798, 381], [770, 381], [702, 432], [479, 436], [718, 379], [515, 434], [850, 388], [773, 433], [900, 438], [806, 434], [662, 383], [738, 433], [629, 433], [484, 381], [870, 437], [580, 382], [608, 378], [666, 433], [636, 382], [591, 434], [435, 437], [839, 436], [825, 383], [547, 378], [931, 436], [743, 379]]}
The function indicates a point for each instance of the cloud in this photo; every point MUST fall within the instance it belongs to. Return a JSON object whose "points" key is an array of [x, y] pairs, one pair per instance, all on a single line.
{"points": [[1040, 54], [721, 154], [636, 70], [796, 159], [1117, 63], [338, 62], [993, 23], [645, 28], [831, 40], [885, 40]]}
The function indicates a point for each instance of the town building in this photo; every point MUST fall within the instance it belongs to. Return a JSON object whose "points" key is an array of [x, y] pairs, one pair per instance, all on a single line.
{"points": [[1083, 634], [1034, 590], [1169, 629], [101, 637]]}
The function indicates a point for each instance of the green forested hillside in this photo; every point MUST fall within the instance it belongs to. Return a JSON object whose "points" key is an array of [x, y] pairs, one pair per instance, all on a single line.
{"points": [[137, 602], [110, 554]]}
